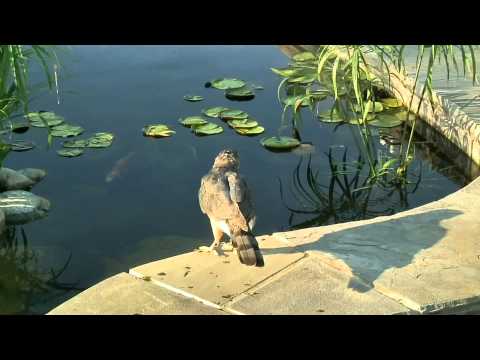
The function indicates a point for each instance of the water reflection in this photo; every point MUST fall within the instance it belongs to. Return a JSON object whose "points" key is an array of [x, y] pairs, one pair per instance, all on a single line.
{"points": [[347, 194], [23, 283]]}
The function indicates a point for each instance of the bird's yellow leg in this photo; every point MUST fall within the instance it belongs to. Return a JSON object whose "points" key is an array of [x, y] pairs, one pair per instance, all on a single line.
{"points": [[217, 236]]}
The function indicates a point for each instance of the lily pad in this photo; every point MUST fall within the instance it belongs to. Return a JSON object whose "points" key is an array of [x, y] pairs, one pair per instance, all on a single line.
{"points": [[233, 114], [20, 128], [193, 98], [38, 119], [214, 112], [372, 107], [100, 140], [66, 130], [257, 87], [302, 79], [158, 130], [227, 83], [207, 129], [285, 72], [70, 152], [386, 121], [295, 90], [391, 103], [330, 116], [243, 93], [401, 114], [359, 120], [193, 120], [304, 56], [280, 143], [243, 123], [75, 143], [21, 145], [250, 131], [292, 100]]}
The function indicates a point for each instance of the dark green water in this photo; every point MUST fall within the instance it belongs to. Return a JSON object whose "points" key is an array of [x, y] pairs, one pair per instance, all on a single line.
{"points": [[151, 210]]}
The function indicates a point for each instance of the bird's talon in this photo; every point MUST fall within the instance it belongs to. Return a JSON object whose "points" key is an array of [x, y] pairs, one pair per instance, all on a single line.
{"points": [[227, 247], [205, 249]]}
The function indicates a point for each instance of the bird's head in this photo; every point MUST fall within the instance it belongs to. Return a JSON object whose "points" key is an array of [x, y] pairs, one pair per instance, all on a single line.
{"points": [[227, 159]]}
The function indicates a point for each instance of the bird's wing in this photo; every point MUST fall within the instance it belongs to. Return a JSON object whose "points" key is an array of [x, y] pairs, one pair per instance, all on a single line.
{"points": [[214, 199], [237, 187], [241, 197]]}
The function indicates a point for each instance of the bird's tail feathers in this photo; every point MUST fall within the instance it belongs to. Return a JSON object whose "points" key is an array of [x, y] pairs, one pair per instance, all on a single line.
{"points": [[247, 248]]}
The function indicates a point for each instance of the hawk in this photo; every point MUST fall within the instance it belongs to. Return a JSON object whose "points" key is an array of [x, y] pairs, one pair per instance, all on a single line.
{"points": [[225, 198]]}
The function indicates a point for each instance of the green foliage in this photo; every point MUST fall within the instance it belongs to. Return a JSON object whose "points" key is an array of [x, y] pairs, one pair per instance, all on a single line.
{"points": [[280, 143], [158, 130], [347, 73], [207, 129]]}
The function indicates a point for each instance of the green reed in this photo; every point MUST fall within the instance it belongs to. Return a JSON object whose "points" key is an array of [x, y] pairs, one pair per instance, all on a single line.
{"points": [[347, 73]]}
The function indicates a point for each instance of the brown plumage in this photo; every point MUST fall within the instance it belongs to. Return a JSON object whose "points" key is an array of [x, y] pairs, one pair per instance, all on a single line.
{"points": [[225, 198]]}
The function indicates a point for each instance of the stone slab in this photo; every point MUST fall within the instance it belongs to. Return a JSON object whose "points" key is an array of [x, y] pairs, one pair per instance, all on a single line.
{"points": [[124, 294], [217, 279], [312, 288], [426, 258]]}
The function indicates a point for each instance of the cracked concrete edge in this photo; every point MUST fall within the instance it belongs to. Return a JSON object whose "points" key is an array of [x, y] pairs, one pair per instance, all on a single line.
{"points": [[206, 302], [273, 277], [277, 276], [175, 290]]}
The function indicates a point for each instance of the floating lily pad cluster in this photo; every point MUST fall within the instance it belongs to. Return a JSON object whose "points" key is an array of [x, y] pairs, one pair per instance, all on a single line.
{"points": [[385, 113], [235, 89], [239, 120], [44, 119], [74, 148], [200, 126], [56, 123], [58, 127]]}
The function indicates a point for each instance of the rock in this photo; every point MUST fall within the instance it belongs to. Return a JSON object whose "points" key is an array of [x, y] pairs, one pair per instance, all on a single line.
{"points": [[13, 180], [35, 175], [21, 207]]}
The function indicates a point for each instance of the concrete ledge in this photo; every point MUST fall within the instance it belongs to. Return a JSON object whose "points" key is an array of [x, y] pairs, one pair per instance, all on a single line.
{"points": [[427, 258], [123, 294], [214, 280], [311, 287]]}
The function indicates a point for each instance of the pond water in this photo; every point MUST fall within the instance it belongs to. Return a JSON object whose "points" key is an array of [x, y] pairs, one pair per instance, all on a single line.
{"points": [[150, 210]]}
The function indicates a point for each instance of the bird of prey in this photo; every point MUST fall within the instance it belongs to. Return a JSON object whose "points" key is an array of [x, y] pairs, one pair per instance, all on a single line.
{"points": [[225, 198]]}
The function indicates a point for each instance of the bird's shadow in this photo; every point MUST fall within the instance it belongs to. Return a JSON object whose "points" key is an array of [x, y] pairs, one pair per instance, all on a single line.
{"points": [[371, 249]]}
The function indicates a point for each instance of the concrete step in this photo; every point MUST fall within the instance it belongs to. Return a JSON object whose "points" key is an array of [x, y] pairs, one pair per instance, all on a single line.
{"points": [[124, 294]]}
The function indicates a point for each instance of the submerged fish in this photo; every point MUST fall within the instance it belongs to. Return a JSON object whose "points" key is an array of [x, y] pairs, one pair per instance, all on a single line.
{"points": [[194, 152], [119, 167]]}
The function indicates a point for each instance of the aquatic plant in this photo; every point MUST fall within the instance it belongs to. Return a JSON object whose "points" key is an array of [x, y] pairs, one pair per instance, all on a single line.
{"points": [[352, 192], [14, 79], [14, 74], [346, 74]]}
